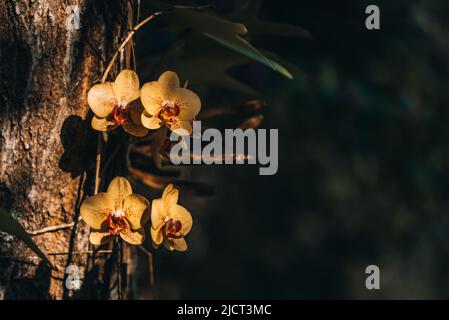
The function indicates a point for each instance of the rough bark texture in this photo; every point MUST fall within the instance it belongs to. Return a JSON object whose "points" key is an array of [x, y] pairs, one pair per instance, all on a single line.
{"points": [[47, 149]]}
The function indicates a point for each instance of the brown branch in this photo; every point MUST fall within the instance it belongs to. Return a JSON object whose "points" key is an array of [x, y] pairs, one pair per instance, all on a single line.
{"points": [[127, 39], [58, 227], [79, 252], [60, 254]]}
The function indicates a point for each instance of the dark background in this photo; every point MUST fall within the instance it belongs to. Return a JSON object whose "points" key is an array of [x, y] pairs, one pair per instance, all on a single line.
{"points": [[363, 162]]}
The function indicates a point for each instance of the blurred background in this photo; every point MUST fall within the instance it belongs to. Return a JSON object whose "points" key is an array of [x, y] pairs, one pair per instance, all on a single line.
{"points": [[363, 156]]}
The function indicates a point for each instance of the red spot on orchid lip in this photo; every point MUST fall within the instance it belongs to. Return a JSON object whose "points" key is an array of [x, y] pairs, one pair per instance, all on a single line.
{"points": [[116, 224], [120, 115], [169, 112], [172, 229], [177, 226]]}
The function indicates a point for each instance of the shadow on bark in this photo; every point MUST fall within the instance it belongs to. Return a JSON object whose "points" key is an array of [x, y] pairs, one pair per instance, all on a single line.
{"points": [[78, 141], [15, 61], [99, 280], [30, 288]]}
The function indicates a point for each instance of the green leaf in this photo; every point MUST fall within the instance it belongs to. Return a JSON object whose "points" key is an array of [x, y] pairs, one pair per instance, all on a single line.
{"points": [[222, 31], [297, 72], [251, 52], [209, 69], [9, 225], [214, 66], [258, 27]]}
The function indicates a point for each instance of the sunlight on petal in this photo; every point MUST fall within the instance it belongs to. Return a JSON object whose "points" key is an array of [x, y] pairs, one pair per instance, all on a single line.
{"points": [[136, 210], [96, 209], [126, 87], [133, 237], [103, 124], [98, 237], [101, 99], [119, 189]]}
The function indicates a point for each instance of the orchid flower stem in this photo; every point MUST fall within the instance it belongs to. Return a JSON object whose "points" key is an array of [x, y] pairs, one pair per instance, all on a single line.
{"points": [[113, 154], [103, 79], [151, 269], [97, 163], [119, 269], [138, 11]]}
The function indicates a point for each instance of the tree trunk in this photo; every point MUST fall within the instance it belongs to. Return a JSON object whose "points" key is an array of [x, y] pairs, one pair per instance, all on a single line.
{"points": [[47, 147]]}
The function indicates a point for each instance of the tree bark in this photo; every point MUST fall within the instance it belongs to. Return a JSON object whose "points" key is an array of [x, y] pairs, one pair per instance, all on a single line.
{"points": [[47, 148]]}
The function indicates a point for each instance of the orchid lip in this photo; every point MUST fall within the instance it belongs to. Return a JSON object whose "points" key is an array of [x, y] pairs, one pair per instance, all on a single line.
{"points": [[120, 115], [169, 111], [116, 223], [173, 228]]}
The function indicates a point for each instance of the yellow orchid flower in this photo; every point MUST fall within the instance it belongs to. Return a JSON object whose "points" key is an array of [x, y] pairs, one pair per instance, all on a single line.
{"points": [[115, 103], [116, 212], [166, 103], [170, 222]]}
